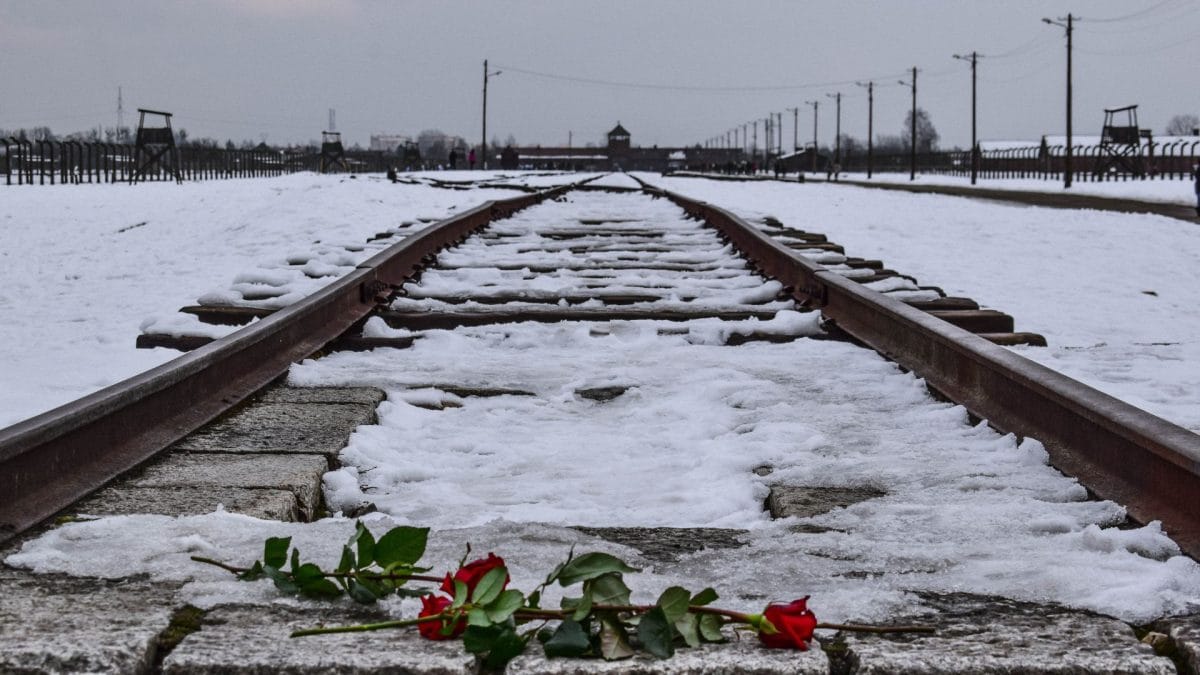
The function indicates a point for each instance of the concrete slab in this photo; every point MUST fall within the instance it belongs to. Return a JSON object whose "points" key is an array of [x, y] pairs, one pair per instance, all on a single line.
{"points": [[802, 502], [1185, 634], [315, 428], [57, 624], [737, 656], [298, 474], [367, 396], [667, 544], [252, 640], [979, 634], [268, 504]]}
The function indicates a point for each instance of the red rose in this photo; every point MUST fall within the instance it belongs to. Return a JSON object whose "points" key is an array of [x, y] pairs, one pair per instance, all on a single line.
{"points": [[432, 605], [795, 623], [472, 572]]}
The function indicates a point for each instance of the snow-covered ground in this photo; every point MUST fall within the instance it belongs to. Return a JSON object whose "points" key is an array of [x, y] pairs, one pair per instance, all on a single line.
{"points": [[83, 266], [1113, 293], [1174, 191], [965, 508]]}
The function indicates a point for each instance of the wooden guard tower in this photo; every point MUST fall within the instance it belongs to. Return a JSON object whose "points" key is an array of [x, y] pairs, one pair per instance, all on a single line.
{"points": [[332, 152], [1121, 142], [155, 147]]}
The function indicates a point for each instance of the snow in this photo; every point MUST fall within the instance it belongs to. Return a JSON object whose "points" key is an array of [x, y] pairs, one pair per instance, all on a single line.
{"points": [[1113, 293], [84, 267], [964, 509], [1168, 191]]}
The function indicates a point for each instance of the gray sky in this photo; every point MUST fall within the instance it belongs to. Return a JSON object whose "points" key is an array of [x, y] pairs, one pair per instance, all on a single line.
{"points": [[243, 68]]}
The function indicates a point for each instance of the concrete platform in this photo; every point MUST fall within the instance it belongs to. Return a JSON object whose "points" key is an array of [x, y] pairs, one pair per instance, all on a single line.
{"points": [[60, 624], [978, 634], [265, 503], [287, 427], [248, 640], [298, 474], [743, 655]]}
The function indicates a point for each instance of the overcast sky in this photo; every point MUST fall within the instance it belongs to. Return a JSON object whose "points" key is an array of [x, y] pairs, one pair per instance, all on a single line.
{"points": [[672, 72]]}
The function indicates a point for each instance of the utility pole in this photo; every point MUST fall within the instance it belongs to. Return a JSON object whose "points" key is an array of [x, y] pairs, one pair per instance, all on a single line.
{"points": [[912, 151], [754, 142], [795, 128], [837, 138], [120, 115], [974, 59], [483, 141], [1070, 28], [815, 105], [870, 125], [779, 145]]}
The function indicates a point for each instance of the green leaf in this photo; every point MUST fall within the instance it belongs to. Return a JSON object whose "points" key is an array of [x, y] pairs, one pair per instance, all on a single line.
{"points": [[319, 588], [295, 559], [480, 639], [275, 551], [283, 581], [362, 593], [655, 633], [569, 640], [255, 572], [688, 627], [347, 562], [614, 643], [364, 541], [507, 646], [476, 616], [505, 604], [409, 592], [534, 600], [306, 572], [607, 589], [582, 606], [710, 628], [674, 602], [489, 586], [590, 566], [461, 594], [403, 544], [704, 597], [553, 576]]}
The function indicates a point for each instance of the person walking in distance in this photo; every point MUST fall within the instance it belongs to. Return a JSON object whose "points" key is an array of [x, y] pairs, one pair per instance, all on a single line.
{"points": [[1196, 182], [471, 158], [453, 160]]}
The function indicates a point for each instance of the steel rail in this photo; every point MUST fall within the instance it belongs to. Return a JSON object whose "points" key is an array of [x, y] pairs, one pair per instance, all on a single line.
{"points": [[51, 460], [1119, 452]]}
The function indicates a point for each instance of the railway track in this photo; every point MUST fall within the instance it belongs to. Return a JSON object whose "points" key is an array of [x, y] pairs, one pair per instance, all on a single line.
{"points": [[688, 273]]}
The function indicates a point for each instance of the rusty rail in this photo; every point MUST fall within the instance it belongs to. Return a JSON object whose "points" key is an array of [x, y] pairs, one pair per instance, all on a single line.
{"points": [[51, 460], [1119, 452]]}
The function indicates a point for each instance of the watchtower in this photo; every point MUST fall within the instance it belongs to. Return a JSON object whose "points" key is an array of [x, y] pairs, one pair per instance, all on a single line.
{"points": [[618, 138], [155, 147], [332, 152], [1121, 142]]}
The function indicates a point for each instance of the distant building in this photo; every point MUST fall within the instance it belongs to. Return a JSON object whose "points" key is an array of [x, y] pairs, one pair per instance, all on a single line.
{"points": [[620, 154], [389, 142]]}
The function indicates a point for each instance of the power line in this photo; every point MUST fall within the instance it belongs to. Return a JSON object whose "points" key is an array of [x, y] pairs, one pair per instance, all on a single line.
{"points": [[1131, 15], [673, 87], [1173, 17]]}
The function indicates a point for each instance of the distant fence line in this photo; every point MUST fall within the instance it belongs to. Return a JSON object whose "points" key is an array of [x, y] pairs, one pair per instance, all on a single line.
{"points": [[25, 162], [1160, 161]]}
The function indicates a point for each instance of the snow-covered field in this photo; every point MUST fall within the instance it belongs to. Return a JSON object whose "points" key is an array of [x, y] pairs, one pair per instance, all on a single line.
{"points": [[965, 508], [1113, 293], [1175, 191], [83, 267]]}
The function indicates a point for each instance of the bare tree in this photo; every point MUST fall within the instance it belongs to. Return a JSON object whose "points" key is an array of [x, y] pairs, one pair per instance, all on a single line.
{"points": [[1183, 125], [927, 136]]}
